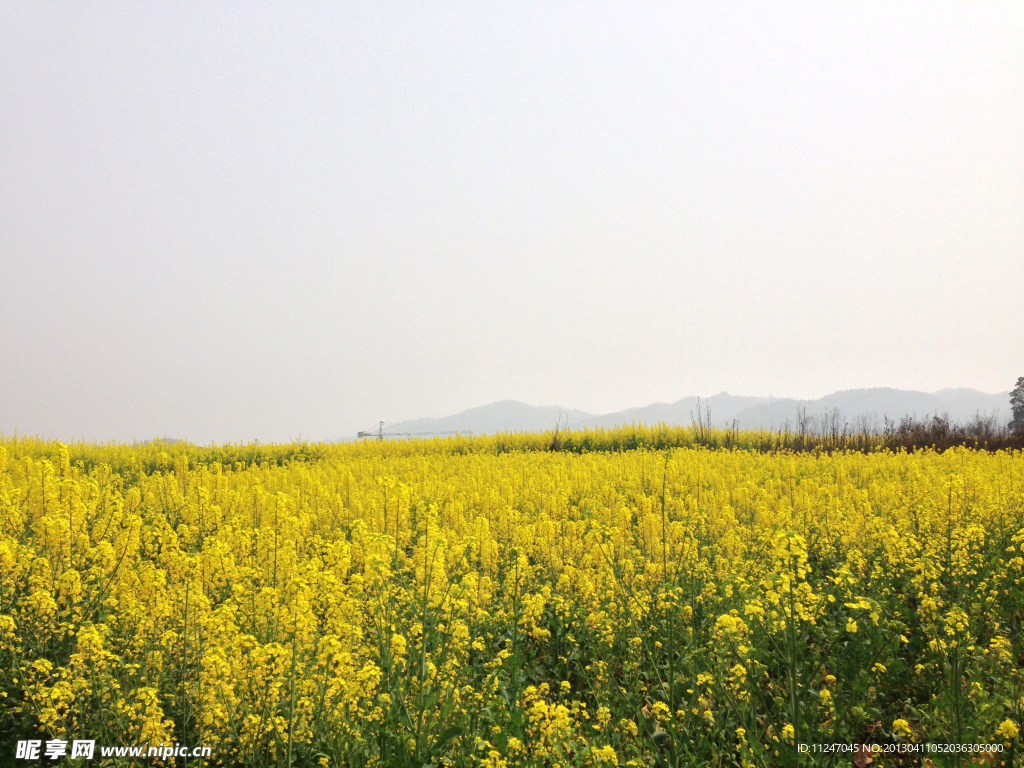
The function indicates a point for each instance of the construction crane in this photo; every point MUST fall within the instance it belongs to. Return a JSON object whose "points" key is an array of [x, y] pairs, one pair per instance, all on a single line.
{"points": [[380, 434]]}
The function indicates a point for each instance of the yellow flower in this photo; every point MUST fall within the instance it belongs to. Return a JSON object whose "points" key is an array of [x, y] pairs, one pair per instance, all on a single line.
{"points": [[1008, 730], [901, 728], [605, 756]]}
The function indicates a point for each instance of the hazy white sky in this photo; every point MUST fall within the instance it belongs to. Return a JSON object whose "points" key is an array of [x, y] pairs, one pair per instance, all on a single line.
{"points": [[240, 221]]}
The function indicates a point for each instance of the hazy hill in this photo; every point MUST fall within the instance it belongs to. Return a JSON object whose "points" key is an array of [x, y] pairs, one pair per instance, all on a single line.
{"points": [[963, 403], [749, 412], [503, 416], [723, 406]]}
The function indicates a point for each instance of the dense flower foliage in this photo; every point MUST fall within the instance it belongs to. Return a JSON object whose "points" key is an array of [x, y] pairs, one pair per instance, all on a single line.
{"points": [[494, 602]]}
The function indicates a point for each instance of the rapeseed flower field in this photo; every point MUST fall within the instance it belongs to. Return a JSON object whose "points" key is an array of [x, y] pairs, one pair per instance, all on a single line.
{"points": [[501, 602]]}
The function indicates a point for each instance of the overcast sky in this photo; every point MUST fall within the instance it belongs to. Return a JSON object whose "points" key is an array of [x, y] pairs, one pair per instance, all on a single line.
{"points": [[241, 221]]}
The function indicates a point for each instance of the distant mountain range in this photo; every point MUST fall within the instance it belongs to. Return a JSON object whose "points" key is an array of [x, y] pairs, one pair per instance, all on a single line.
{"points": [[503, 416], [869, 406]]}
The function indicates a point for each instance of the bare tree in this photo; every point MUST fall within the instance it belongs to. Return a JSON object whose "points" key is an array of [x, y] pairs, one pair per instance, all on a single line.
{"points": [[702, 424]]}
